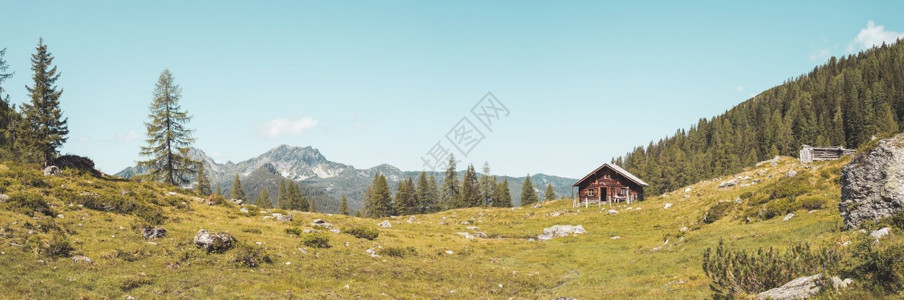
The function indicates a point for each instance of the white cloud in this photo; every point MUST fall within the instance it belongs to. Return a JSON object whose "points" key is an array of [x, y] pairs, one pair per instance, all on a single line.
{"points": [[739, 88], [820, 54], [281, 127], [125, 136], [871, 36]]}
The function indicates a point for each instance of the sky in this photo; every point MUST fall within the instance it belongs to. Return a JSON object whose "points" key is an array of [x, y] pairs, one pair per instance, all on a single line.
{"points": [[373, 82]]}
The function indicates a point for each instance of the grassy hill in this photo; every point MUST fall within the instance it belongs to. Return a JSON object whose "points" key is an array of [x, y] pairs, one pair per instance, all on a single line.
{"points": [[644, 250]]}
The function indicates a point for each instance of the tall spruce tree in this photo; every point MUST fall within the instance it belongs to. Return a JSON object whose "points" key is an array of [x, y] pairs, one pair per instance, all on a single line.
{"points": [[237, 192], [9, 117], [203, 182], [432, 204], [313, 207], [487, 186], [503, 196], [263, 199], [379, 198], [550, 193], [470, 189], [406, 202], [449, 197], [528, 195], [343, 205], [168, 137], [282, 199], [424, 194], [43, 129]]}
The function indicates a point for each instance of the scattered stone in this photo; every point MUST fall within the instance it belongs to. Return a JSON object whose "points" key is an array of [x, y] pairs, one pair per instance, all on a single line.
{"points": [[667, 205], [872, 184], [450, 252], [171, 193], [683, 229], [321, 223], [481, 235], [538, 205], [744, 185], [738, 201], [686, 196], [385, 224], [555, 214], [4, 198], [308, 230], [746, 178], [412, 219], [372, 252], [283, 218], [616, 237], [687, 190], [243, 210], [566, 298], [219, 242], [839, 284], [560, 230], [800, 288], [237, 201], [466, 235], [60, 216], [612, 212], [728, 184], [52, 171], [878, 234], [335, 230], [82, 259], [791, 173], [129, 297], [788, 217], [152, 232]]}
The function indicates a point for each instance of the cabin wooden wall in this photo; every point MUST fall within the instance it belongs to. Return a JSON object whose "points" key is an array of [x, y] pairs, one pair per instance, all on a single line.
{"points": [[612, 182]]}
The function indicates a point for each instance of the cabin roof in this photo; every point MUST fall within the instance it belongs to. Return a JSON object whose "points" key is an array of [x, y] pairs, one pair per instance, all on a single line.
{"points": [[618, 170]]}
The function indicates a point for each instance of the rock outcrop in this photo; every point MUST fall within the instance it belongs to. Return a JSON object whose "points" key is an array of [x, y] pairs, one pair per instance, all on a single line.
{"points": [[385, 224], [560, 230], [153, 232], [872, 184], [52, 171], [214, 242], [800, 288]]}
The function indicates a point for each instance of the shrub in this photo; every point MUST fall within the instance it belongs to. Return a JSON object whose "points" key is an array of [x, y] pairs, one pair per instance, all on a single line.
{"points": [[362, 232], [252, 230], [735, 272], [131, 283], [716, 212], [811, 202], [880, 264], [78, 163], [778, 207], [251, 257], [399, 252], [56, 246], [294, 231], [791, 187], [29, 203], [315, 241]]}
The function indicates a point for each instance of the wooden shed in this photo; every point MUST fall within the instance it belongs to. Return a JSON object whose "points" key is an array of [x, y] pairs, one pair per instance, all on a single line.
{"points": [[609, 183], [810, 154]]}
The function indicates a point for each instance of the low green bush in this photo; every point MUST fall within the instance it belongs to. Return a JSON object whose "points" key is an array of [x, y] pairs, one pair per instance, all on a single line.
{"points": [[717, 211], [362, 232], [811, 202], [29, 203], [315, 241], [294, 231], [880, 265], [251, 257], [399, 252]]}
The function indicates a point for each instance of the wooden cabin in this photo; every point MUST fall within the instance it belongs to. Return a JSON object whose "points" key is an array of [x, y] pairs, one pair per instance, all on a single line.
{"points": [[810, 154], [609, 183]]}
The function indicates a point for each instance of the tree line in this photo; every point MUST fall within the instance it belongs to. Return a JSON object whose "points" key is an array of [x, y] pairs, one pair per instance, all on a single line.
{"points": [[844, 102], [426, 196]]}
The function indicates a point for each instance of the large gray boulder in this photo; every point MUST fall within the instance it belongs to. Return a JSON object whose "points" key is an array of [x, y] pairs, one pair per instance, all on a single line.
{"points": [[52, 171], [214, 242], [800, 288], [872, 184]]}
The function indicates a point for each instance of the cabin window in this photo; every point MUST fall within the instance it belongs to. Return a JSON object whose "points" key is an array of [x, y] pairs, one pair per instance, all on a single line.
{"points": [[590, 192]]}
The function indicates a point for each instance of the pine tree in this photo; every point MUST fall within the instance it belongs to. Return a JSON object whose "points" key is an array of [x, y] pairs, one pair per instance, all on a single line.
{"points": [[887, 122], [503, 196], [423, 194], [379, 198], [406, 202], [168, 137], [237, 192], [218, 192], [44, 128], [263, 199], [203, 187], [449, 198], [343, 206], [433, 204], [313, 207], [9, 118], [550, 193], [487, 186], [282, 199], [470, 189], [296, 200], [528, 195]]}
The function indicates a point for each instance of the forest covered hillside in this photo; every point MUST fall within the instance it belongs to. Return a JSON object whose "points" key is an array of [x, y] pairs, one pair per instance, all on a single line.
{"points": [[843, 102]]}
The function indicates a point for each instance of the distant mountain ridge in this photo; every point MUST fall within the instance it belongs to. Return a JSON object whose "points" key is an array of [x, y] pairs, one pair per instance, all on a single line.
{"points": [[325, 179]]}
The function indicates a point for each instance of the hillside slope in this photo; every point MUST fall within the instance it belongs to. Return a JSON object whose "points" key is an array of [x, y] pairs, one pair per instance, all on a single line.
{"points": [[644, 250]]}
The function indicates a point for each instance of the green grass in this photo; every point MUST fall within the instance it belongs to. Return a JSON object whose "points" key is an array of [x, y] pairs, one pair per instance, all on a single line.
{"points": [[652, 258]]}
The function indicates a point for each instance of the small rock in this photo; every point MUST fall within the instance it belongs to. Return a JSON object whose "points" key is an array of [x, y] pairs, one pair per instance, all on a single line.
{"points": [[171, 193], [791, 173], [479, 234], [839, 284], [129, 297], [243, 210], [335, 230], [738, 201], [683, 229], [308, 230], [219, 242], [52, 171], [878, 234], [258, 243], [4, 198], [612, 212], [412, 219], [667, 205], [385, 224], [538, 205], [788, 217], [687, 190], [153, 232], [372, 252], [560, 230], [284, 218], [616, 237], [321, 223], [60, 216], [728, 184], [82, 259], [450, 252]]}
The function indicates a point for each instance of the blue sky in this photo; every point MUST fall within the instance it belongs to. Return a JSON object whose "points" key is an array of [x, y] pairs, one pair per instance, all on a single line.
{"points": [[376, 82]]}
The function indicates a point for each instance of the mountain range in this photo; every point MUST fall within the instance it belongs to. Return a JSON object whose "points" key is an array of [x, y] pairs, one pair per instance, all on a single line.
{"points": [[325, 180]]}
